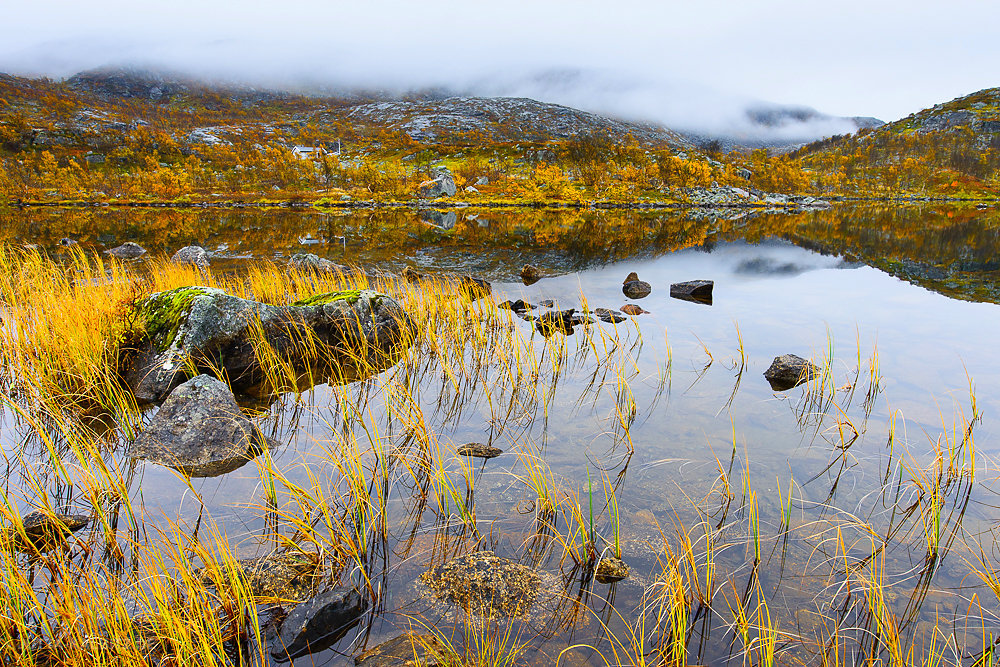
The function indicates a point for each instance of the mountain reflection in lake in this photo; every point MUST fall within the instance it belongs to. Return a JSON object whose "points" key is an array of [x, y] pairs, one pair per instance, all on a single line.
{"points": [[833, 507]]}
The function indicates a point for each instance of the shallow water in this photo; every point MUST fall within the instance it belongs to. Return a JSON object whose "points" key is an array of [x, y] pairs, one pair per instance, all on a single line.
{"points": [[917, 286]]}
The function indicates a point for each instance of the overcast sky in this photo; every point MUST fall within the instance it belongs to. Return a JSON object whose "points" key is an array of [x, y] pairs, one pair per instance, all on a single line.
{"points": [[668, 61]]}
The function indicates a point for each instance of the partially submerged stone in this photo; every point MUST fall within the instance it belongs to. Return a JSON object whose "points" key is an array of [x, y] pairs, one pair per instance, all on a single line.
{"points": [[479, 450], [609, 316], [556, 320], [633, 309], [127, 250], [696, 291], [474, 288], [192, 254], [407, 650], [336, 336], [634, 288], [318, 623], [484, 584], [307, 261], [44, 532], [530, 274], [611, 569], [290, 576], [790, 370], [200, 431], [517, 306]]}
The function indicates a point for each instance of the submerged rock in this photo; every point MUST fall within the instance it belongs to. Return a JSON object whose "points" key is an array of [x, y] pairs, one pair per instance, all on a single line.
{"points": [[349, 335], [530, 274], [632, 309], [790, 370], [479, 450], [484, 584], [44, 532], [318, 623], [634, 288], [610, 570], [307, 261], [200, 431], [474, 288], [192, 254], [285, 576], [697, 291], [608, 315], [127, 250], [407, 650]]}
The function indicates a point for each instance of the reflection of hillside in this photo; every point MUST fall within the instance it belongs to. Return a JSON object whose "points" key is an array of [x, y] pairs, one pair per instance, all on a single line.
{"points": [[956, 253]]}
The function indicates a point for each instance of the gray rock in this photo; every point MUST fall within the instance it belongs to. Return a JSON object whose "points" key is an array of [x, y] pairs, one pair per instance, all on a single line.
{"points": [[127, 250], [192, 254], [789, 370], [200, 431], [350, 335], [318, 623], [479, 450], [471, 189], [441, 185], [44, 532], [609, 316], [697, 291], [485, 585], [442, 219], [307, 261], [407, 650]]}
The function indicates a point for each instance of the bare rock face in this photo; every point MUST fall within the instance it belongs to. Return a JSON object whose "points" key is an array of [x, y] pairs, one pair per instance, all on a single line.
{"points": [[485, 585], [200, 431], [789, 370], [192, 254], [318, 623], [337, 336]]}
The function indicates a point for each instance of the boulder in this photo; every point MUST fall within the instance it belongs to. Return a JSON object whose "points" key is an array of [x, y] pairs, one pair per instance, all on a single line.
{"points": [[290, 576], [318, 623], [697, 291], [337, 336], [307, 261], [127, 250], [440, 219], [44, 531], [790, 370], [517, 306], [406, 650], [441, 185], [192, 254], [484, 584], [200, 431], [633, 309], [479, 450], [530, 274], [611, 569], [474, 288], [634, 288]]}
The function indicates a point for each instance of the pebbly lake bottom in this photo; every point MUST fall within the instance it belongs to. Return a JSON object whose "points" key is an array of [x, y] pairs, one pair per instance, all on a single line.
{"points": [[858, 506]]}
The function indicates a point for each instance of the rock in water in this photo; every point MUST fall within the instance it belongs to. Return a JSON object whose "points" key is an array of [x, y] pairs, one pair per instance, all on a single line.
{"points": [[530, 274], [307, 261], [44, 531], [318, 623], [632, 309], [282, 576], [610, 570], [697, 291], [483, 584], [127, 250], [557, 320], [517, 306], [789, 370], [411, 275], [338, 336], [479, 450], [474, 288], [200, 431], [634, 288], [192, 254], [406, 650], [609, 316]]}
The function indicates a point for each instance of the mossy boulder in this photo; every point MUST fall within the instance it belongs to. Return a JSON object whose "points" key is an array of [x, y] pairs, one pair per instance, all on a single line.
{"points": [[261, 349]]}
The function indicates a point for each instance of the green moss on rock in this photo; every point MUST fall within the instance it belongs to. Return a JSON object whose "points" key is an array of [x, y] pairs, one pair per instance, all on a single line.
{"points": [[350, 296], [160, 315]]}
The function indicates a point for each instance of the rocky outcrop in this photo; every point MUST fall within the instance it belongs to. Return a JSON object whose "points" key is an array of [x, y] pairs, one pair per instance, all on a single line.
{"points": [[200, 431], [790, 370], [318, 623], [307, 261], [338, 336]]}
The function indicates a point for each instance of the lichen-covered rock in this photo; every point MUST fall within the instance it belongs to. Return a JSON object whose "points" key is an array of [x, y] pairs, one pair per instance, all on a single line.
{"points": [[530, 274], [790, 370], [200, 431], [318, 623], [44, 531], [127, 250], [485, 585], [192, 254], [290, 576], [611, 569], [441, 185], [479, 450], [337, 336]]}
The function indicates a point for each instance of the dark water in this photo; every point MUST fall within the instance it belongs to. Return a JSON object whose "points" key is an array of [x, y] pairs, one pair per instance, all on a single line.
{"points": [[917, 286]]}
